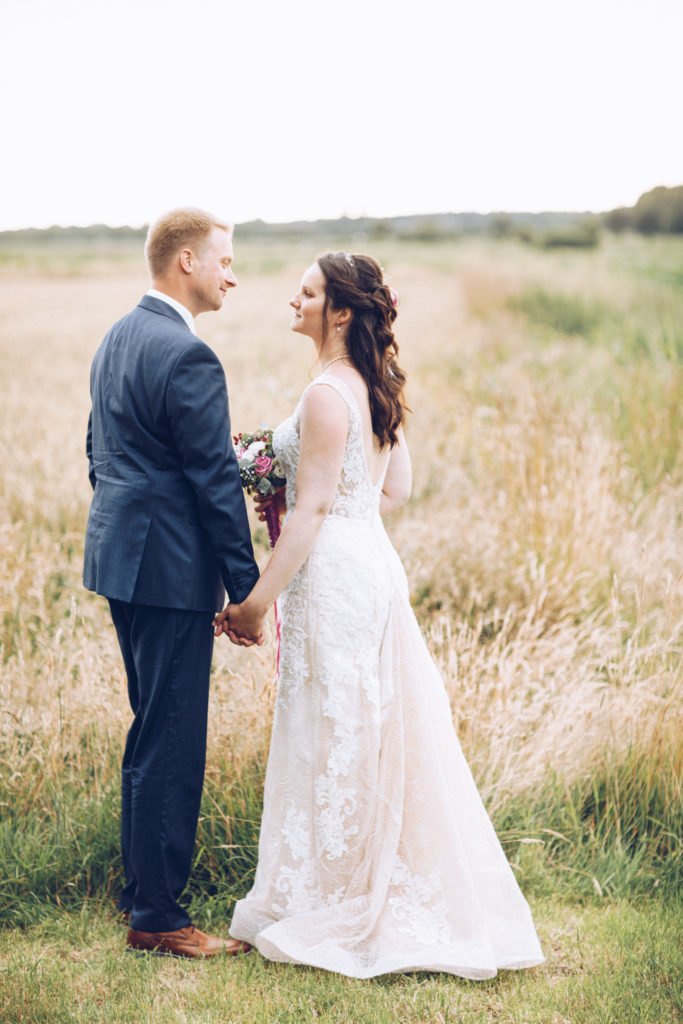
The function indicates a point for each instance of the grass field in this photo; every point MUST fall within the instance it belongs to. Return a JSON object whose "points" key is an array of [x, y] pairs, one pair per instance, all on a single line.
{"points": [[544, 546]]}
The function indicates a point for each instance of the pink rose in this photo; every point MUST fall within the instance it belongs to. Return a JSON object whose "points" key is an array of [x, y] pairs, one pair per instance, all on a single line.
{"points": [[263, 465]]}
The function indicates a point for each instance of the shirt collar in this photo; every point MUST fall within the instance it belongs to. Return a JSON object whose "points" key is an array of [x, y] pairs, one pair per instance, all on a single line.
{"points": [[174, 304]]}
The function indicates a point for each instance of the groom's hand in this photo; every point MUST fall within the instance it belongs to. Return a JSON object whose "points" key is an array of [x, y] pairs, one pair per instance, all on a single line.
{"points": [[221, 625], [244, 625]]}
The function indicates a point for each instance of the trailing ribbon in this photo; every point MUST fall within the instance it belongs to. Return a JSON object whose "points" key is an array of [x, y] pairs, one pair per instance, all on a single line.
{"points": [[273, 524]]}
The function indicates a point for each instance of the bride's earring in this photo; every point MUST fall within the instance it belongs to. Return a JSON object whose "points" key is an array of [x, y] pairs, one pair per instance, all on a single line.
{"points": [[338, 328]]}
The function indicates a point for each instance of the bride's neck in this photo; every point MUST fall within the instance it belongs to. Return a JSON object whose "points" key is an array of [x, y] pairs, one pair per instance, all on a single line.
{"points": [[332, 348]]}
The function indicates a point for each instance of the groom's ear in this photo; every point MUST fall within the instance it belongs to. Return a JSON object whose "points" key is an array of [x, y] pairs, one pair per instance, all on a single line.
{"points": [[185, 257]]}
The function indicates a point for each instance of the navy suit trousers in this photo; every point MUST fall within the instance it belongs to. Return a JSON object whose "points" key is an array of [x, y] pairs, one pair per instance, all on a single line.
{"points": [[167, 656]]}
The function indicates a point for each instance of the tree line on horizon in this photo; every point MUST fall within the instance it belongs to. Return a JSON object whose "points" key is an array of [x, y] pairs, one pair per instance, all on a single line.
{"points": [[659, 211]]}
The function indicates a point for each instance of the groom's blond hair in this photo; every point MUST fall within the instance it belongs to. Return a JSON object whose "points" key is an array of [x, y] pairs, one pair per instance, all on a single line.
{"points": [[184, 228]]}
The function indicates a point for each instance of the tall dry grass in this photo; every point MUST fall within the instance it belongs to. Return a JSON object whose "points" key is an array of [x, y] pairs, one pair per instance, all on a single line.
{"points": [[543, 543]]}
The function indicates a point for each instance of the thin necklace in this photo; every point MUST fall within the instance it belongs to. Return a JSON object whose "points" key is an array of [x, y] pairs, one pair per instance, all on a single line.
{"points": [[336, 359]]}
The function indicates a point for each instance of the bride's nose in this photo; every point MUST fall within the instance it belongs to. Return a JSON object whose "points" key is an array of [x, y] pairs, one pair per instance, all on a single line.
{"points": [[294, 301]]}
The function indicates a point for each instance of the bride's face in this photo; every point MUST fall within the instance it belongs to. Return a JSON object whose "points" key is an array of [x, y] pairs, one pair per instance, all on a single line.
{"points": [[308, 304]]}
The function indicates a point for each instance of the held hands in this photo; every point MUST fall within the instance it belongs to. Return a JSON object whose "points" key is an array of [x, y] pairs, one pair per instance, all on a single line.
{"points": [[244, 625]]}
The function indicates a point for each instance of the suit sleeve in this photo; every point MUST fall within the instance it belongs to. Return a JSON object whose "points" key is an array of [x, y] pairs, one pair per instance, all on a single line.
{"points": [[199, 417]]}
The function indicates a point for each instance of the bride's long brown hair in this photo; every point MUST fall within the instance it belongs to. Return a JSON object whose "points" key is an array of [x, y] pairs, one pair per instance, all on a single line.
{"points": [[355, 282]]}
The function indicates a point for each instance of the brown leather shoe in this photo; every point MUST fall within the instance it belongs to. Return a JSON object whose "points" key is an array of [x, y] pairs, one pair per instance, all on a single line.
{"points": [[187, 941]]}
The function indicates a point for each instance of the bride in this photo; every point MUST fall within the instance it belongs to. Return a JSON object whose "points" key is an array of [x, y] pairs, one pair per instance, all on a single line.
{"points": [[376, 853]]}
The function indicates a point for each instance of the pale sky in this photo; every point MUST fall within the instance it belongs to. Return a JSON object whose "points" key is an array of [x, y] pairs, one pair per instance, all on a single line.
{"points": [[114, 112]]}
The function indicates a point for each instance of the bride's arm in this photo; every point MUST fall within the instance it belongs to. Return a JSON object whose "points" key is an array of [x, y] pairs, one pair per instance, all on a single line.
{"points": [[398, 481], [324, 426]]}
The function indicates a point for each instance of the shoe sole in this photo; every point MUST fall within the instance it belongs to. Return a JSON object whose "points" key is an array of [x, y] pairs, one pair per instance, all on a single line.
{"points": [[156, 951]]}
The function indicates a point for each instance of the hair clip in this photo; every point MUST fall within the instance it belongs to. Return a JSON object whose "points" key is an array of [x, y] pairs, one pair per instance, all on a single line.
{"points": [[348, 257]]}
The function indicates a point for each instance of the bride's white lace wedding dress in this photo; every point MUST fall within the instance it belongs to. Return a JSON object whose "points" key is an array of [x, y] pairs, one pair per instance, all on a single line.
{"points": [[376, 853]]}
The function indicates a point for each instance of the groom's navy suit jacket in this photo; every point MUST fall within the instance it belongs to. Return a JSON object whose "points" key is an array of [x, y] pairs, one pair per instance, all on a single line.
{"points": [[168, 523]]}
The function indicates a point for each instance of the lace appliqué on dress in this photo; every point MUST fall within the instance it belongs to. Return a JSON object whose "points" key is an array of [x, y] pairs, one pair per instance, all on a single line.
{"points": [[415, 909], [375, 853]]}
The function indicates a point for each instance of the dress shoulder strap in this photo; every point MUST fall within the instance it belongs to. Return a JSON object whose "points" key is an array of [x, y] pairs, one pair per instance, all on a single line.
{"points": [[340, 387]]}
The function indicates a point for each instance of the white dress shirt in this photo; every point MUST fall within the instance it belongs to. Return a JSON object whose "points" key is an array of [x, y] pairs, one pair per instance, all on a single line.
{"points": [[174, 304]]}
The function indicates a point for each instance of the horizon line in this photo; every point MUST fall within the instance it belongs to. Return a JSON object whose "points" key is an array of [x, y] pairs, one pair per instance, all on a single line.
{"points": [[317, 220]]}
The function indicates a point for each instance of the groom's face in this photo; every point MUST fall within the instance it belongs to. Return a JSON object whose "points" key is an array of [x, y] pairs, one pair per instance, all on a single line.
{"points": [[212, 273]]}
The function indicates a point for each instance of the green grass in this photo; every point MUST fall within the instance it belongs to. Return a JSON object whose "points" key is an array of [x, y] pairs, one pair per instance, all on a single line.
{"points": [[617, 833], [606, 963], [559, 313], [624, 357]]}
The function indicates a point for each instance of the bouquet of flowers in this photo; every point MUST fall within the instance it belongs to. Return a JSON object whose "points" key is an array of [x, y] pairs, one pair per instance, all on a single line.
{"points": [[260, 471]]}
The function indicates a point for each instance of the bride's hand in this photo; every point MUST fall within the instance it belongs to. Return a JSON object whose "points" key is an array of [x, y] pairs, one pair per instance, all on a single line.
{"points": [[243, 623], [263, 501]]}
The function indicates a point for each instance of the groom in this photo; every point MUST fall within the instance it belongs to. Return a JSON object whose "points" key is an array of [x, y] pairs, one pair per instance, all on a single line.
{"points": [[167, 535]]}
